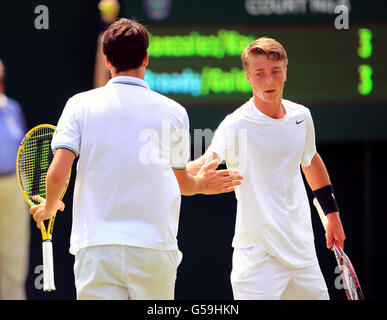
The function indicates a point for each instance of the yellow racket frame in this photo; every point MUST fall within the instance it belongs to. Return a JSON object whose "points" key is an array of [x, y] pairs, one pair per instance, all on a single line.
{"points": [[46, 233]]}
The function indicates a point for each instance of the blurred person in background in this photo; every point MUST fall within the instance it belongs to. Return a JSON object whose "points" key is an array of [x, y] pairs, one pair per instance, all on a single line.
{"points": [[14, 217], [109, 11]]}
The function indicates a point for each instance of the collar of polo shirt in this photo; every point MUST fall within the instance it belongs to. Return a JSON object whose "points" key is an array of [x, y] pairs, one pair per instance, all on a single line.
{"points": [[128, 81]]}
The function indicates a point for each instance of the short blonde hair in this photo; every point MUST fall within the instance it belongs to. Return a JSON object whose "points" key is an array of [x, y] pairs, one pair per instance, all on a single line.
{"points": [[269, 47]]}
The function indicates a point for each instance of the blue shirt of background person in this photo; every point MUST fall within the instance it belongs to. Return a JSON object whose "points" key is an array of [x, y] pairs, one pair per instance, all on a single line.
{"points": [[12, 130]]}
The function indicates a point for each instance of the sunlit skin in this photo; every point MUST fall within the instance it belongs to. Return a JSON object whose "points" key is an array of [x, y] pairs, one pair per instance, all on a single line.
{"points": [[267, 79]]}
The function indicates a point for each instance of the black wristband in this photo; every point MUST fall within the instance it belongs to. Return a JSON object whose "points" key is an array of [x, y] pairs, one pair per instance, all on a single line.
{"points": [[326, 199]]}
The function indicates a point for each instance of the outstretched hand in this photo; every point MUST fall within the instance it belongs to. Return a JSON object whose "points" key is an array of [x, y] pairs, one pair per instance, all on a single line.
{"points": [[39, 213], [218, 181]]}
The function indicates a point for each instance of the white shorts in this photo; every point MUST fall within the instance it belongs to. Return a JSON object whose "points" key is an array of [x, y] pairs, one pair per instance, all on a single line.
{"points": [[257, 276], [117, 272]]}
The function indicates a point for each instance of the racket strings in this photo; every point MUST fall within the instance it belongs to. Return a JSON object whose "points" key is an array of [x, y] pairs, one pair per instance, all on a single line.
{"points": [[34, 162], [350, 280], [349, 286], [353, 282]]}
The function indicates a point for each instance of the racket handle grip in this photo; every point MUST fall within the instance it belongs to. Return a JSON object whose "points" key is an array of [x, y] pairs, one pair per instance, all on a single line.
{"points": [[48, 266]]}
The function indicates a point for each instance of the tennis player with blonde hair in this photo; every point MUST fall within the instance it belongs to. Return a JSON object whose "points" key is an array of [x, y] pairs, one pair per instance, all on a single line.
{"points": [[268, 139], [133, 147]]}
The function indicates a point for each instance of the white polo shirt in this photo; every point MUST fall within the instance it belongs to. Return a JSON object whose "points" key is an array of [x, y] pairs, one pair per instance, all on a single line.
{"points": [[273, 210], [128, 139]]}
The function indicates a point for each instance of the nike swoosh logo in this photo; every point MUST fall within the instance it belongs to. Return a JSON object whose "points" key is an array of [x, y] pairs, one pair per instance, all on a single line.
{"points": [[298, 122]]}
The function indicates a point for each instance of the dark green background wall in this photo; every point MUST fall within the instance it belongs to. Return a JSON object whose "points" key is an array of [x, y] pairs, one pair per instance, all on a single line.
{"points": [[45, 68]]}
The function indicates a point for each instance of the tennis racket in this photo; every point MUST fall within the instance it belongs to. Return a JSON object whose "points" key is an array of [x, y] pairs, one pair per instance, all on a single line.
{"points": [[348, 274], [33, 160]]}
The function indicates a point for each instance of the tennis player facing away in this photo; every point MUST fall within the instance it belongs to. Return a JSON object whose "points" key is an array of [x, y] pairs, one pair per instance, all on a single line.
{"points": [[126, 196], [268, 138]]}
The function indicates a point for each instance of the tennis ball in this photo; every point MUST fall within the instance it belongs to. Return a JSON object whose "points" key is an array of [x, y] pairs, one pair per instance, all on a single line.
{"points": [[106, 7]]}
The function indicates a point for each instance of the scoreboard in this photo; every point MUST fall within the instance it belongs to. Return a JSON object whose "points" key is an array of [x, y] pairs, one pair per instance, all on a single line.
{"points": [[201, 64], [195, 48], [339, 73]]}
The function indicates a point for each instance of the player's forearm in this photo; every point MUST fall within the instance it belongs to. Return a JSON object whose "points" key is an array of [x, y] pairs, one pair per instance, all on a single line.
{"points": [[55, 183], [316, 174], [57, 176], [318, 179]]}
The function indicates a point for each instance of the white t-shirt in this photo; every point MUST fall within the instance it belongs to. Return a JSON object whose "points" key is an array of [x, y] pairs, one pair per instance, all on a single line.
{"points": [[273, 210], [128, 139]]}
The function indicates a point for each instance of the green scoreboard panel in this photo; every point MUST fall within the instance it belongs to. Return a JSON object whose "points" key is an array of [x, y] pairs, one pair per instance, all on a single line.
{"points": [[201, 64], [339, 73]]}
